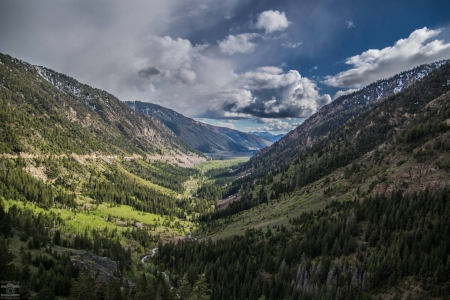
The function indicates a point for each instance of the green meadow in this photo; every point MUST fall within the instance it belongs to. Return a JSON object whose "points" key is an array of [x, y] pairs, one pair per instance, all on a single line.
{"points": [[109, 217]]}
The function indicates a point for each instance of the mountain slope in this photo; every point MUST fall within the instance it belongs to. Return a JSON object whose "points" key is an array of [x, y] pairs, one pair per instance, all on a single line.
{"points": [[203, 137], [47, 112], [400, 143], [362, 212], [268, 136], [338, 112]]}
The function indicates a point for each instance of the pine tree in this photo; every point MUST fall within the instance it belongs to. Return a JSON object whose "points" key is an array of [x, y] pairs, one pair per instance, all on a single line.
{"points": [[113, 291], [184, 288], [201, 290], [84, 287]]}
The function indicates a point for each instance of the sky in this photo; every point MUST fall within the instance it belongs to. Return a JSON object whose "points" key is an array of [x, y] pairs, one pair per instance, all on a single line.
{"points": [[251, 65]]}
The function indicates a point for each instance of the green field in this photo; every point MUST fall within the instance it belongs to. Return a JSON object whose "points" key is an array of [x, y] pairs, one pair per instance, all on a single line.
{"points": [[104, 216], [220, 164]]}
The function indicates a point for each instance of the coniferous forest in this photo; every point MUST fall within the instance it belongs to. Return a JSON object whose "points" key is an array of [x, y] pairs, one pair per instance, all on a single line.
{"points": [[98, 201]]}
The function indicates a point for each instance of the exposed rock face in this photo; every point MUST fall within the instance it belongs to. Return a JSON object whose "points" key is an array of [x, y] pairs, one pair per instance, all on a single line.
{"points": [[93, 262]]}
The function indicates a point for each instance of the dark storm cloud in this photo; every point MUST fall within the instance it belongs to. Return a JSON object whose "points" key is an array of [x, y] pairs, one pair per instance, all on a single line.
{"points": [[149, 72]]}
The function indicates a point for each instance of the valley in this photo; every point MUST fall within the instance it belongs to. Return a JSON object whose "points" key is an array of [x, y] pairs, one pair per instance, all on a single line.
{"points": [[352, 204]]}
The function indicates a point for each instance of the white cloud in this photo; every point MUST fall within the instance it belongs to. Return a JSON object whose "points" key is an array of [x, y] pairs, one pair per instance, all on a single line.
{"points": [[350, 24], [291, 45], [341, 93], [272, 20], [238, 43], [137, 55], [225, 124], [405, 54], [273, 125], [163, 59], [278, 94]]}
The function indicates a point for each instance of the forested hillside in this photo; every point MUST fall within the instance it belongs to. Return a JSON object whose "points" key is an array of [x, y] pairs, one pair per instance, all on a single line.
{"points": [[45, 112], [203, 137], [332, 116], [84, 178], [359, 214]]}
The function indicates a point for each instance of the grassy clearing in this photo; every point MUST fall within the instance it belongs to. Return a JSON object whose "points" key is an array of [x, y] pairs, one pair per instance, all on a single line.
{"points": [[278, 212], [15, 246], [274, 213], [104, 216], [219, 164]]}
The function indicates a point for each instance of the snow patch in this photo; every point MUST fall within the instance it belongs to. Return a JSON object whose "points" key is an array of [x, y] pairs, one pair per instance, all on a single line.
{"points": [[398, 89]]}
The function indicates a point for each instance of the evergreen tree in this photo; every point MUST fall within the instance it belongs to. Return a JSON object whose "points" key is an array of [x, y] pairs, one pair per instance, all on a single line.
{"points": [[84, 287], [201, 290]]}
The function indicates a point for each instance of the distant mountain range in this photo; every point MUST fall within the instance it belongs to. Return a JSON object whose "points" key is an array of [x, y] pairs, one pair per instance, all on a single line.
{"points": [[203, 137], [268, 136]]}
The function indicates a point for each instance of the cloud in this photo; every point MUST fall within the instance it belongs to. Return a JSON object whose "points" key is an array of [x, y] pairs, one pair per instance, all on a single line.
{"points": [[273, 125], [346, 92], [238, 43], [405, 54], [225, 124], [266, 92], [270, 93], [291, 45], [149, 72], [350, 24], [164, 59], [136, 53], [272, 20], [229, 16]]}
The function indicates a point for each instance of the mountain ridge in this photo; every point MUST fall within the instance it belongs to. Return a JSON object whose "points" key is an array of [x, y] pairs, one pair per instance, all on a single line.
{"points": [[68, 116], [203, 137], [268, 136], [335, 114]]}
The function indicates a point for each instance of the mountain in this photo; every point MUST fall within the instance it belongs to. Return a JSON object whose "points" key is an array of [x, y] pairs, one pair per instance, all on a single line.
{"points": [[357, 212], [203, 137], [355, 204], [409, 126], [46, 112], [268, 136], [338, 112]]}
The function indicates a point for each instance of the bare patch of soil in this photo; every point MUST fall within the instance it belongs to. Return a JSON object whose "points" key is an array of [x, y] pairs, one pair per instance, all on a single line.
{"points": [[224, 203]]}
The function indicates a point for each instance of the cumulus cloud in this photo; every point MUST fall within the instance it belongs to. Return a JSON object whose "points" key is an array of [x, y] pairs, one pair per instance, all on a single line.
{"points": [[276, 94], [272, 20], [238, 43], [342, 93], [266, 92], [138, 55], [164, 59], [405, 54]]}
